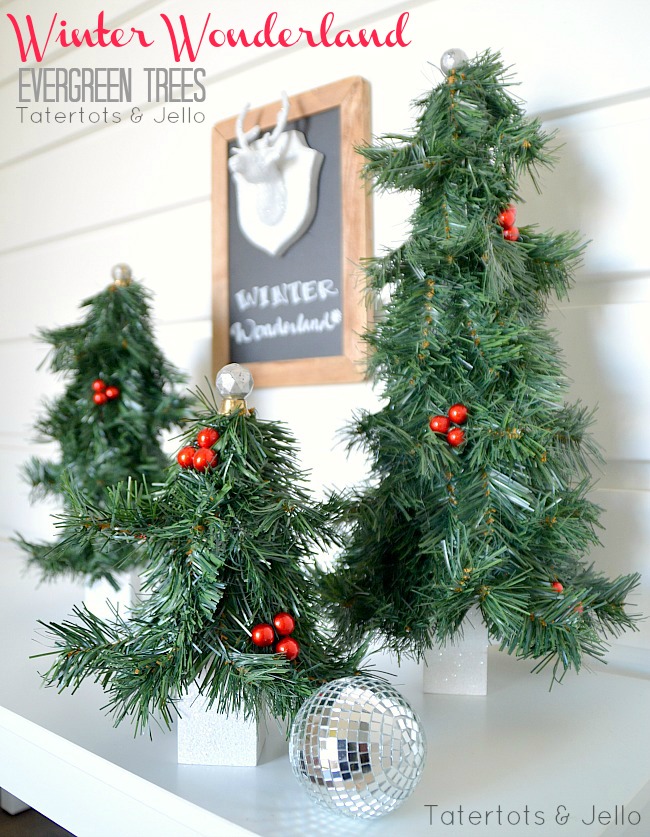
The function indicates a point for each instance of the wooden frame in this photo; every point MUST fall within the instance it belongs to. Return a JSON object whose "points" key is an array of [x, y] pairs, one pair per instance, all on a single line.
{"points": [[352, 97]]}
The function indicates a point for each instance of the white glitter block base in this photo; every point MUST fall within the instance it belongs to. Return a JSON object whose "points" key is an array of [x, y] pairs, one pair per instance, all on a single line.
{"points": [[11, 804], [206, 736], [459, 668]]}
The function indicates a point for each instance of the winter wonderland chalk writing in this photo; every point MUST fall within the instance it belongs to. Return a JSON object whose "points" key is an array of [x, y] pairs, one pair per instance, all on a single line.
{"points": [[285, 294]]}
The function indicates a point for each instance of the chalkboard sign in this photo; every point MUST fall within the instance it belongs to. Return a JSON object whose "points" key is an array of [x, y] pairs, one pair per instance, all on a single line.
{"points": [[296, 317]]}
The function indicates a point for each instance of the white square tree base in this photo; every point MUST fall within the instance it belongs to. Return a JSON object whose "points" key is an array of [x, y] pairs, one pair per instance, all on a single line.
{"points": [[11, 804], [459, 668], [206, 736]]}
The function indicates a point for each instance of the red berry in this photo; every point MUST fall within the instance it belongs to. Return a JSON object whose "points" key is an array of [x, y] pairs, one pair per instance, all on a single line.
{"points": [[112, 393], [289, 647], [284, 623], [511, 234], [207, 437], [263, 635], [100, 398], [557, 586], [439, 424], [185, 456], [456, 437], [506, 218], [458, 413], [579, 608], [98, 385], [204, 458]]}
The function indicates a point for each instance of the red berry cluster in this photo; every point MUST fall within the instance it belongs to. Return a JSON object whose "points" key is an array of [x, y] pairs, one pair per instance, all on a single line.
{"points": [[103, 393], [263, 635], [506, 219], [558, 587], [200, 456], [456, 414]]}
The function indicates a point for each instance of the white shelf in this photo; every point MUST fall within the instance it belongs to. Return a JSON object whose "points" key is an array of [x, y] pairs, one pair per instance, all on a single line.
{"points": [[585, 743]]}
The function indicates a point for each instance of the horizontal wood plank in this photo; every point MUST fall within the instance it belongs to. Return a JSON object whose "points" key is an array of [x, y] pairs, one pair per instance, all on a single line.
{"points": [[167, 252], [606, 349]]}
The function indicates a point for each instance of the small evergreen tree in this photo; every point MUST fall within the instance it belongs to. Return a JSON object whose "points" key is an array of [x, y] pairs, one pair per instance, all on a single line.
{"points": [[480, 470], [227, 598], [120, 396]]}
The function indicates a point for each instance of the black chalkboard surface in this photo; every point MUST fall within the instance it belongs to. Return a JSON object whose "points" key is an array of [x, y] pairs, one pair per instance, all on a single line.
{"points": [[297, 317], [290, 306]]}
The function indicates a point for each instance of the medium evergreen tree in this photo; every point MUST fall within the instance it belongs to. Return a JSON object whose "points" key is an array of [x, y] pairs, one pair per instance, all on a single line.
{"points": [[227, 597], [120, 395], [480, 472]]}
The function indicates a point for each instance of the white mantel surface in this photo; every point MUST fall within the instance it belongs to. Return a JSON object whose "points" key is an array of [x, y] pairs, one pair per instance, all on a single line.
{"points": [[582, 744]]}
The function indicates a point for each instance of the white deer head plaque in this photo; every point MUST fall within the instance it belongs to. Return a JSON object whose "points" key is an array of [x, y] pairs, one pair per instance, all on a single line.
{"points": [[276, 179]]}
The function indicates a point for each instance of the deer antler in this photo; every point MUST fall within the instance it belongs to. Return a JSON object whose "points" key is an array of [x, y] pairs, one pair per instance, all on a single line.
{"points": [[245, 137], [283, 115]]}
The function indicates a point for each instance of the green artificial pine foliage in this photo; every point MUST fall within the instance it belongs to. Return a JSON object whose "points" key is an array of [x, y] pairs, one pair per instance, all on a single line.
{"points": [[498, 513], [227, 548], [113, 349]]}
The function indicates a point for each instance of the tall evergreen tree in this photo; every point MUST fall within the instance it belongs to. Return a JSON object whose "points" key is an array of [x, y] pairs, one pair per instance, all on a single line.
{"points": [[119, 397], [479, 491], [227, 598]]}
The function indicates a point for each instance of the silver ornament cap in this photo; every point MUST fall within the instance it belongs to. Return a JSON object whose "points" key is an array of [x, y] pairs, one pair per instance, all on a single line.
{"points": [[121, 273], [234, 384], [452, 59], [357, 747]]}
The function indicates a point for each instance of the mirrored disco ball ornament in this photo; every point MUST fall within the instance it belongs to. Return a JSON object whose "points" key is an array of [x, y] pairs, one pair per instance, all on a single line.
{"points": [[357, 747]]}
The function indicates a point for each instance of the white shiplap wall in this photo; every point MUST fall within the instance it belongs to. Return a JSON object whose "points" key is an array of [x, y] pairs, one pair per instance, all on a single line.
{"points": [[75, 200]]}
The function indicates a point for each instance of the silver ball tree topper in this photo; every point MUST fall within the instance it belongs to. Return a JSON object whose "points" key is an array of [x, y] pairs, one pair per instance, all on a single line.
{"points": [[121, 273], [234, 381], [452, 59], [234, 385]]}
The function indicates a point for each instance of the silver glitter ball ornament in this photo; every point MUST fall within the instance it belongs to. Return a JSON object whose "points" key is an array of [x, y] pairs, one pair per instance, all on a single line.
{"points": [[234, 381], [452, 59], [357, 747]]}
